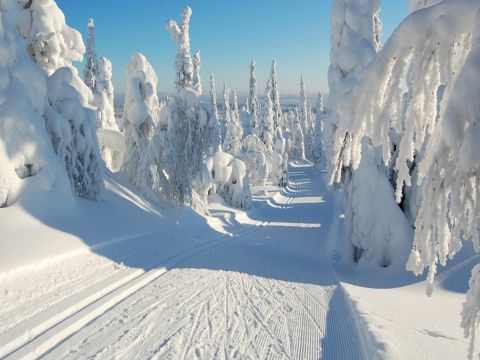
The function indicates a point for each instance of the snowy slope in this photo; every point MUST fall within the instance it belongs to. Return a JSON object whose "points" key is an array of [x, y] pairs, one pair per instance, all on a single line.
{"points": [[120, 278]]}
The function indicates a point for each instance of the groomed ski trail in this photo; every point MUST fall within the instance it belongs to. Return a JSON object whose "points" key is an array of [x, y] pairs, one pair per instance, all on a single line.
{"points": [[268, 292]]}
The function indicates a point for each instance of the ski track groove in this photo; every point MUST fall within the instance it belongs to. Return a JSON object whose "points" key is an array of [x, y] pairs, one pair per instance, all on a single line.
{"points": [[262, 318]]}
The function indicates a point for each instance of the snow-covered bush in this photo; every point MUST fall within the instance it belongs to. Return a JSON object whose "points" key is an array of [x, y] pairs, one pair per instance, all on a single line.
{"points": [[90, 70], [229, 176], [257, 158], [140, 112]]}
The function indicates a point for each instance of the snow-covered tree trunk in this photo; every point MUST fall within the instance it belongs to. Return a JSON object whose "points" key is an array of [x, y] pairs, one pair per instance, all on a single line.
{"points": [[90, 70], [277, 109], [253, 101], [196, 79], [183, 62]]}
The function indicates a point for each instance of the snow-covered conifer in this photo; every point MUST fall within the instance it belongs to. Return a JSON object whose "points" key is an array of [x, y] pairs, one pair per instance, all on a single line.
{"points": [[265, 128], [277, 109], [217, 135], [104, 96], [227, 113], [183, 62], [90, 70], [320, 113], [252, 100], [140, 113], [196, 80], [70, 121], [233, 140], [305, 120]]}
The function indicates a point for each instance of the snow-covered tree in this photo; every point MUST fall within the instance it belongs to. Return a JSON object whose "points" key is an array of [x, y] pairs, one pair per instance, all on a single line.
{"points": [[140, 112], [71, 123], [280, 160], [196, 80], [69, 119], [104, 96], [252, 100], [183, 62], [421, 95], [90, 70], [265, 127], [233, 139], [277, 109], [296, 145], [25, 147], [217, 136], [227, 113], [305, 120], [320, 114]]}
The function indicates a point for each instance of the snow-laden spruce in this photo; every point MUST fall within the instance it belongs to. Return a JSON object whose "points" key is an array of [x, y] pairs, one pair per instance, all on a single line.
{"points": [[234, 133], [428, 140], [320, 115], [296, 143], [217, 135], [306, 121], [90, 71], [140, 112], [57, 95], [183, 62], [275, 95], [253, 101], [104, 96], [265, 126], [377, 231], [227, 113], [25, 147]]}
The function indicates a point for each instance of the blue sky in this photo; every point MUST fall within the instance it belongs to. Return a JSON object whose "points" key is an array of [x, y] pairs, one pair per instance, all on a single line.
{"points": [[228, 33]]}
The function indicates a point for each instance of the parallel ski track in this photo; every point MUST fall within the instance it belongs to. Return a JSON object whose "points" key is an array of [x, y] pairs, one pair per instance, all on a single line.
{"points": [[32, 343]]}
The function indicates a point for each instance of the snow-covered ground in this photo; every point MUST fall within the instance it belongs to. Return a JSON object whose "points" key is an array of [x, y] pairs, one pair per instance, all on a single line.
{"points": [[121, 278]]}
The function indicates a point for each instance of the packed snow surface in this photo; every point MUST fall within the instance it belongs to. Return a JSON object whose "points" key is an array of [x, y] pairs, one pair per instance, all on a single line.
{"points": [[121, 278]]}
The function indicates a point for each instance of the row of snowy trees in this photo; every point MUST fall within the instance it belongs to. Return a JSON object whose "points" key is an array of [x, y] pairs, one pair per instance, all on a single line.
{"points": [[401, 135]]}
